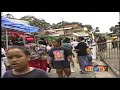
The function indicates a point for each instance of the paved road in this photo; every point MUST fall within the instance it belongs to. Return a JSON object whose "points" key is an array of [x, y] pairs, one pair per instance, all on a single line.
{"points": [[76, 74]]}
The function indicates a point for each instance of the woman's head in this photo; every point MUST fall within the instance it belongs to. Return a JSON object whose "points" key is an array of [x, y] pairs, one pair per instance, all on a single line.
{"points": [[18, 57], [57, 43]]}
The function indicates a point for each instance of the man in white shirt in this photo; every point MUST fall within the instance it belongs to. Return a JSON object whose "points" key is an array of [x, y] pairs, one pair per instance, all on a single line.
{"points": [[74, 43]]}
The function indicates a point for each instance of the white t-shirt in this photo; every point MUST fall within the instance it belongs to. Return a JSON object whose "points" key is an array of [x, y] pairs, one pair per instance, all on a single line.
{"points": [[74, 43], [48, 48], [3, 51]]}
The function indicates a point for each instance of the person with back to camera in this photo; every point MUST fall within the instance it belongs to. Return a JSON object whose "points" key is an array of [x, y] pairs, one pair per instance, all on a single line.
{"points": [[66, 44]]}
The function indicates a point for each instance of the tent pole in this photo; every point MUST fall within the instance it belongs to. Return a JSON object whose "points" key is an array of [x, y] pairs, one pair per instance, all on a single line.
{"points": [[24, 39], [6, 38]]}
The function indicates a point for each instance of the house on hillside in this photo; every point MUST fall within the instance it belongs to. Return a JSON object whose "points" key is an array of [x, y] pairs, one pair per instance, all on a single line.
{"points": [[72, 31], [81, 32]]}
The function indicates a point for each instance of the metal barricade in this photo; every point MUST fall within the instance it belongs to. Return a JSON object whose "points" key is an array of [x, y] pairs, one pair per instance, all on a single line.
{"points": [[110, 51]]}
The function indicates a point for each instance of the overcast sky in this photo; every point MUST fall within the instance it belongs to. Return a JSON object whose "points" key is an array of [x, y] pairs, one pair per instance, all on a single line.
{"points": [[103, 20]]}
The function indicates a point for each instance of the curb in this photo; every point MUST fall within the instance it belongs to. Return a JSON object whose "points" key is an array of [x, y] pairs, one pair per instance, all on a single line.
{"points": [[116, 72]]}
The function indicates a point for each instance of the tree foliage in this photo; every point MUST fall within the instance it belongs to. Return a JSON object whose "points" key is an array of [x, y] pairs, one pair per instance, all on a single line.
{"points": [[10, 16], [41, 23], [89, 27], [115, 29]]}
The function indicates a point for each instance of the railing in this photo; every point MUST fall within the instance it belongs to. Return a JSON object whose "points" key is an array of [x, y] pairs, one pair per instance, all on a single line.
{"points": [[110, 52]]}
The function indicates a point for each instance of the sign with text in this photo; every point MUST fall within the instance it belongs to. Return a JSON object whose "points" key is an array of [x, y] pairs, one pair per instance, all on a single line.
{"points": [[98, 68]]}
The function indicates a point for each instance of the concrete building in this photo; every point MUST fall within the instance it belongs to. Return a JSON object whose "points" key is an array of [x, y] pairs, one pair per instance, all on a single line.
{"points": [[71, 32]]}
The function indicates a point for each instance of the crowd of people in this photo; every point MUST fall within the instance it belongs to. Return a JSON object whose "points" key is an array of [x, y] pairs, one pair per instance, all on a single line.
{"points": [[102, 43], [32, 60]]}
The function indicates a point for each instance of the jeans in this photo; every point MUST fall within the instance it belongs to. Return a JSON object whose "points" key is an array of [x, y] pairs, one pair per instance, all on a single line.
{"points": [[89, 59], [83, 62]]}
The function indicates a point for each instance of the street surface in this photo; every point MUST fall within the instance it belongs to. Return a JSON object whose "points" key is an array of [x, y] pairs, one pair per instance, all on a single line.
{"points": [[76, 74]]}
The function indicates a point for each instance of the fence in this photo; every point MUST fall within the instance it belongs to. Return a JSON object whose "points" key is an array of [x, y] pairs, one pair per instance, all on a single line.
{"points": [[110, 51]]}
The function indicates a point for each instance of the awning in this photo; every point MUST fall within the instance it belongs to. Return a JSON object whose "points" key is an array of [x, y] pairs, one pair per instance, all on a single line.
{"points": [[6, 23]]}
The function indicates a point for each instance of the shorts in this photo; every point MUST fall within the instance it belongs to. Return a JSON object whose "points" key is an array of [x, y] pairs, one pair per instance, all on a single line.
{"points": [[61, 64]]}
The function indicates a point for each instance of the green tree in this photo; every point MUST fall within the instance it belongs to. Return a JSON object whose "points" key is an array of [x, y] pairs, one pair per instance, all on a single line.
{"points": [[97, 29], [10, 16], [54, 26], [89, 27], [41, 23], [63, 23], [114, 29]]}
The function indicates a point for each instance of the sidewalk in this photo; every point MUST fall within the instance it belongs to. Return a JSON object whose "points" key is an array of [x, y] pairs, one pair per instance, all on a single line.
{"points": [[107, 74], [76, 74]]}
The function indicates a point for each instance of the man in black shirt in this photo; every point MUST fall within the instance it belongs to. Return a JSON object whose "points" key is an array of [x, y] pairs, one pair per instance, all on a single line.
{"points": [[82, 54]]}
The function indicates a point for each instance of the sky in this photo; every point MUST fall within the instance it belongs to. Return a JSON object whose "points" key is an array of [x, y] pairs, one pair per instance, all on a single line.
{"points": [[103, 20]]}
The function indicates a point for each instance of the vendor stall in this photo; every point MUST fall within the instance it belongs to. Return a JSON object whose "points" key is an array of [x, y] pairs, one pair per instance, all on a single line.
{"points": [[38, 55]]}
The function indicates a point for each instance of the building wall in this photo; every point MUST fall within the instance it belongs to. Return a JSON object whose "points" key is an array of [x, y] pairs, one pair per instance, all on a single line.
{"points": [[61, 32], [83, 33], [69, 31]]}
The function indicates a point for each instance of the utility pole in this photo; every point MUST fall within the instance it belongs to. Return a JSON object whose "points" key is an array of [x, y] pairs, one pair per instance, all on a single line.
{"points": [[63, 27], [119, 26]]}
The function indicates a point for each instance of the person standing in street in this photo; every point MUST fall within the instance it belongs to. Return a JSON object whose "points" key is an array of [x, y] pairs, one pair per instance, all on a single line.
{"points": [[66, 44], [60, 59], [82, 54]]}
